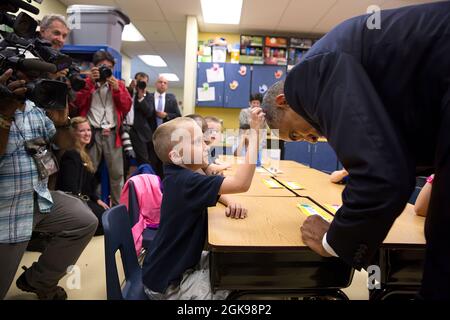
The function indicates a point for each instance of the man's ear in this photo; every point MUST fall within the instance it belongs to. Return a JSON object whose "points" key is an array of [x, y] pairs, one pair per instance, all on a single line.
{"points": [[281, 101]]}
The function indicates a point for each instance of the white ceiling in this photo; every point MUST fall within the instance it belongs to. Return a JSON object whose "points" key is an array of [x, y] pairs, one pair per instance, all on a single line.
{"points": [[163, 23]]}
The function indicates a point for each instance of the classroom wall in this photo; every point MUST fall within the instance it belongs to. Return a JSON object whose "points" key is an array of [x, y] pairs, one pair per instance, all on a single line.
{"points": [[126, 69], [230, 116]]}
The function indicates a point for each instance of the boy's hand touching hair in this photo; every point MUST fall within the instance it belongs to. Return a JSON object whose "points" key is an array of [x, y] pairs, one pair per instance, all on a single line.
{"points": [[236, 211]]}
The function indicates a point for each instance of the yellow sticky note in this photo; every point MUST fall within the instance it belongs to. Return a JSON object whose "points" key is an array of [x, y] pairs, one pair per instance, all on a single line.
{"points": [[312, 210], [272, 184], [292, 185]]}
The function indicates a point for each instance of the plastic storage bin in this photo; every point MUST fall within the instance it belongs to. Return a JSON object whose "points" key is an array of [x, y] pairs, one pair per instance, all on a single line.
{"points": [[96, 25]]}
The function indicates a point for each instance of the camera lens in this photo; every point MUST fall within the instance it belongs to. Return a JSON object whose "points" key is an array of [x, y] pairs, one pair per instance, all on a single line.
{"points": [[141, 85], [105, 72]]}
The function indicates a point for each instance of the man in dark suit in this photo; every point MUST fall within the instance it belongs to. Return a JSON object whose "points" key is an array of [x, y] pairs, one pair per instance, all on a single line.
{"points": [[141, 120], [166, 108], [166, 104], [382, 99]]}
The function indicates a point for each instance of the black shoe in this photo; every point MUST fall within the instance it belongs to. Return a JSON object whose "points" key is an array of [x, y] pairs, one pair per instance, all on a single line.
{"points": [[55, 293]]}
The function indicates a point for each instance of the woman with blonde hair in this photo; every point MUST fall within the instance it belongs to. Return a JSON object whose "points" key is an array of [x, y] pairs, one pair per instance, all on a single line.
{"points": [[76, 175]]}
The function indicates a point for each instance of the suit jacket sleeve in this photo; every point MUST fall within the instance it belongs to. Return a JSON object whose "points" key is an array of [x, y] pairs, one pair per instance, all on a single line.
{"points": [[69, 173], [333, 92], [145, 107], [171, 107]]}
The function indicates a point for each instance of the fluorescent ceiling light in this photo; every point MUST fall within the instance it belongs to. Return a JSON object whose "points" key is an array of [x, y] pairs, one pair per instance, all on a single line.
{"points": [[169, 76], [153, 60], [130, 33], [221, 11]]}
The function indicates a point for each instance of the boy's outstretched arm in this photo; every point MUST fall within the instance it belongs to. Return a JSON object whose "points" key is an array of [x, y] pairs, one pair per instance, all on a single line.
{"points": [[242, 179]]}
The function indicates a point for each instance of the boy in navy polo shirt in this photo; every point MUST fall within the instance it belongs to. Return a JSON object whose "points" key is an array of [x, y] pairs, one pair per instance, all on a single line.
{"points": [[176, 266]]}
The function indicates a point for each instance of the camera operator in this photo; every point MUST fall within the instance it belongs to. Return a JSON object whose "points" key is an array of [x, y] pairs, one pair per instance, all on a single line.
{"points": [[105, 101], [142, 118], [26, 204]]}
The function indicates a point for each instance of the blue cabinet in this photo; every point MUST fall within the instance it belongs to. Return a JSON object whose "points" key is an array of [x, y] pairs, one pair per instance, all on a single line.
{"points": [[237, 85], [218, 86], [319, 156], [298, 151], [323, 157], [263, 77]]}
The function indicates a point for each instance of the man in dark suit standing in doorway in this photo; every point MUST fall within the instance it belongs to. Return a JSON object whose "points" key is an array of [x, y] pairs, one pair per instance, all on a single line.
{"points": [[166, 108]]}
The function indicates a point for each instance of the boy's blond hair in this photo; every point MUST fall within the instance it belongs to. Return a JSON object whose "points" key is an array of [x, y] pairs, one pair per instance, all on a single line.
{"points": [[162, 137]]}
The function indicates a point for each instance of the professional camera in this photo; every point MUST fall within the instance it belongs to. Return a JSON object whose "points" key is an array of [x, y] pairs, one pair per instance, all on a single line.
{"points": [[105, 72], [126, 142], [31, 57], [47, 94], [141, 85], [76, 81]]}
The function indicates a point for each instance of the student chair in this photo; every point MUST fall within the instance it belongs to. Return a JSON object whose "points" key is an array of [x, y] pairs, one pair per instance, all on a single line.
{"points": [[420, 182], [133, 206], [118, 237]]}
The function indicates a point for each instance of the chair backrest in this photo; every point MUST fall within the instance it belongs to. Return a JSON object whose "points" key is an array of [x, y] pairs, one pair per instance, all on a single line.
{"points": [[118, 237], [133, 204]]}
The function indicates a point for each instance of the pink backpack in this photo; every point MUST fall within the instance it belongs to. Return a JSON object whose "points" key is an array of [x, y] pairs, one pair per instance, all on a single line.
{"points": [[149, 197]]}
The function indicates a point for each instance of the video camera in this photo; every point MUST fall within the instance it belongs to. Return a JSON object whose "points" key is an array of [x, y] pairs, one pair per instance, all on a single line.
{"points": [[23, 52]]}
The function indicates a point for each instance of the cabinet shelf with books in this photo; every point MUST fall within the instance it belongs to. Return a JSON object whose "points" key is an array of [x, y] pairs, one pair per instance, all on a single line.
{"points": [[297, 49], [251, 50], [275, 51]]}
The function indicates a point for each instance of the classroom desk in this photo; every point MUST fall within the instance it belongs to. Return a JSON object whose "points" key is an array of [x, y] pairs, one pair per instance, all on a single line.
{"points": [[316, 183], [258, 188], [401, 258], [264, 253]]}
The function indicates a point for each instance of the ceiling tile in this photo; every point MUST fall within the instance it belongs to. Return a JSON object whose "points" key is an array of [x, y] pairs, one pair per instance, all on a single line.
{"points": [[302, 16], [155, 30], [263, 14], [176, 10], [141, 10]]}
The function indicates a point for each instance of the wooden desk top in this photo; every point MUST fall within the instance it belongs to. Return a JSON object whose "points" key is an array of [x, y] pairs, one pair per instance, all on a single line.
{"points": [[258, 188], [408, 229], [316, 183], [275, 223], [271, 222]]}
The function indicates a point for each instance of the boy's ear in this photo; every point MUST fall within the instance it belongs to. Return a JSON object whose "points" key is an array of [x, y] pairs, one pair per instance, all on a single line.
{"points": [[175, 157], [281, 101]]}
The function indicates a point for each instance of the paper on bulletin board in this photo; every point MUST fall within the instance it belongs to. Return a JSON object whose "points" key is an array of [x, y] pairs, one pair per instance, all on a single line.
{"points": [[313, 210], [215, 75], [208, 94]]}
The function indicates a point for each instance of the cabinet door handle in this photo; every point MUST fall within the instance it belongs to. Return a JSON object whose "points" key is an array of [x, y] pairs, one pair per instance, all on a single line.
{"points": [[315, 148], [309, 147]]}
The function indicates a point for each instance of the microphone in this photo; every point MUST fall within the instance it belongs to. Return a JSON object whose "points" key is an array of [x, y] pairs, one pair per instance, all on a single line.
{"points": [[36, 65], [24, 6]]}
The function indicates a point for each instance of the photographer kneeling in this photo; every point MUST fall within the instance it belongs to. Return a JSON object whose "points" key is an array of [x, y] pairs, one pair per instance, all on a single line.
{"points": [[26, 204]]}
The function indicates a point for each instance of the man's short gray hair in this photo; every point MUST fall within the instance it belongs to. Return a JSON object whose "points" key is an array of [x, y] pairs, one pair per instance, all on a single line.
{"points": [[47, 21], [273, 114]]}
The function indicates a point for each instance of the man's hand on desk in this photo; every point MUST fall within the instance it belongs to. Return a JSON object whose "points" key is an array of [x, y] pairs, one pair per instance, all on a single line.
{"points": [[313, 230]]}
